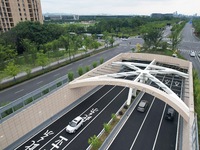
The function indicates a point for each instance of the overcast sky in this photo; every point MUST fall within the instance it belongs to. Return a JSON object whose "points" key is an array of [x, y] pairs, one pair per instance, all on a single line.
{"points": [[121, 7]]}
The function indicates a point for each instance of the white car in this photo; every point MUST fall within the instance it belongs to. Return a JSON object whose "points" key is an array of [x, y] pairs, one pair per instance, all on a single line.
{"points": [[192, 54], [75, 124]]}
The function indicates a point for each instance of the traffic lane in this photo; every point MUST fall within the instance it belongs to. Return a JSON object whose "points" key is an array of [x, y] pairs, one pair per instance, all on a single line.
{"points": [[195, 61], [25, 88], [150, 127], [127, 134], [187, 33], [88, 116], [97, 125], [169, 127], [62, 122]]}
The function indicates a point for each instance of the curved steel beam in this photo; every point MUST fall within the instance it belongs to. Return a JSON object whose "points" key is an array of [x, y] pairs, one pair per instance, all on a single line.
{"points": [[171, 100]]}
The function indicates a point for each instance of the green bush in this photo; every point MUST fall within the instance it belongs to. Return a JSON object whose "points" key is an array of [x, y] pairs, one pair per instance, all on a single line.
{"points": [[94, 64], [45, 91], [87, 68], [107, 127], [18, 106], [29, 100], [95, 142], [70, 76], [114, 117], [7, 112], [80, 71], [101, 60]]}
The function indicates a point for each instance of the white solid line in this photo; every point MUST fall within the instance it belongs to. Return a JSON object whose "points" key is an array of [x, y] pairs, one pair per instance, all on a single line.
{"points": [[142, 124], [56, 119], [159, 127], [19, 91], [80, 115], [96, 116], [123, 124]]}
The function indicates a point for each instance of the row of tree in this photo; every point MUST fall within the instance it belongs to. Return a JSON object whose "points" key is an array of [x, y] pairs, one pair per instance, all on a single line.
{"points": [[24, 44], [29, 38], [196, 24], [153, 37]]}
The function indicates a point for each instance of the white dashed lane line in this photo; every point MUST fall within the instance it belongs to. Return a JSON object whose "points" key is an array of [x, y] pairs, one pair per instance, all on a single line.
{"points": [[56, 74], [19, 91], [39, 82]]}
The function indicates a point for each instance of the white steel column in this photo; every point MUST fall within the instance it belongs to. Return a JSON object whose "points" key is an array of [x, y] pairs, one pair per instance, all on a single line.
{"points": [[129, 96]]}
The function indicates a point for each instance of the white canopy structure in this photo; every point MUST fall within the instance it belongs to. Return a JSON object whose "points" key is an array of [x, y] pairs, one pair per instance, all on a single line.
{"points": [[139, 83]]}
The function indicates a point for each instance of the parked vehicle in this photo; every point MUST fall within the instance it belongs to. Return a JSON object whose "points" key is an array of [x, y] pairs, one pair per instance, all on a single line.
{"points": [[75, 124]]}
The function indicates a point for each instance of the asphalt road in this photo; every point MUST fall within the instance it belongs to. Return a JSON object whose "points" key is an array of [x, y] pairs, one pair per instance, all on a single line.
{"points": [[96, 110], [150, 130], [20, 90], [190, 43], [55, 135], [100, 106]]}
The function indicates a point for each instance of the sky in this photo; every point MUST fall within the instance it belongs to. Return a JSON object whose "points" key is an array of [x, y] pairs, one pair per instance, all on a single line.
{"points": [[121, 7]]}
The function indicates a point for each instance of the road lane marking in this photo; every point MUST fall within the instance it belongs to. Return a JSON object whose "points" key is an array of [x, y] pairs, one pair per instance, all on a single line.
{"points": [[80, 64], [94, 118], [57, 74], [56, 119], [19, 91], [142, 124], [39, 82], [80, 115], [158, 131], [123, 123]]}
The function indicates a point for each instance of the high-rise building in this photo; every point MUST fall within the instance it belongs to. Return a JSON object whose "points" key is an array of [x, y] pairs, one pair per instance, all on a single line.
{"points": [[14, 11]]}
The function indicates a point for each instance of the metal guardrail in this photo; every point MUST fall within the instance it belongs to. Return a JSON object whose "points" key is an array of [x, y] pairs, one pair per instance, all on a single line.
{"points": [[30, 98]]}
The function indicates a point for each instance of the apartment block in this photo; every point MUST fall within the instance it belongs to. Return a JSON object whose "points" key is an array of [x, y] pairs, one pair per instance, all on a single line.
{"points": [[15, 11]]}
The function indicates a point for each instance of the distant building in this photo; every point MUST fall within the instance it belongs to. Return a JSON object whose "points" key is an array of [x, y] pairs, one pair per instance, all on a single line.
{"points": [[15, 11], [58, 17], [159, 15]]}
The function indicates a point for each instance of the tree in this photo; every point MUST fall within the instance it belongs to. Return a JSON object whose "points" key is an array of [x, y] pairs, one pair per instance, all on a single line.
{"points": [[152, 39], [175, 39], [6, 54], [111, 41], [138, 47], [42, 59], [28, 71], [30, 49], [65, 42], [11, 69]]}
